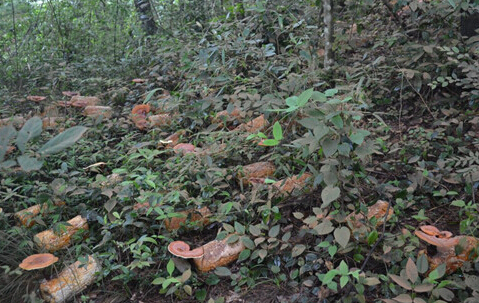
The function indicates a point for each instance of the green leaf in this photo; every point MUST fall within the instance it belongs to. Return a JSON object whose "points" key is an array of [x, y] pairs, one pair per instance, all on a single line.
{"points": [[304, 97], [332, 250], [329, 147], [324, 227], [438, 272], [338, 121], [28, 163], [331, 92], [223, 271], [329, 276], [247, 242], [422, 264], [239, 228], [150, 94], [343, 281], [6, 134], [343, 268], [170, 267], [277, 131], [411, 271], [341, 235], [62, 141], [329, 194], [255, 230], [270, 142], [401, 281], [372, 237], [31, 129], [274, 231], [244, 255], [358, 137], [310, 123], [298, 250]]}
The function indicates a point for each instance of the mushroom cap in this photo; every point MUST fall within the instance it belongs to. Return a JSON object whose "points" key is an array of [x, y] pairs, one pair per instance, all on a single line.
{"points": [[182, 250], [437, 241], [38, 261], [434, 231]]}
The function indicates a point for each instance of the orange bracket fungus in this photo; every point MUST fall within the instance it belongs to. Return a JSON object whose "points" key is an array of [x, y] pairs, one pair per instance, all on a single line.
{"points": [[84, 101], [254, 171], [289, 184], [199, 216], [209, 256], [184, 148], [95, 111], [36, 98], [70, 281], [138, 115], [70, 93], [254, 125], [453, 251], [51, 241], [182, 250], [38, 261]]}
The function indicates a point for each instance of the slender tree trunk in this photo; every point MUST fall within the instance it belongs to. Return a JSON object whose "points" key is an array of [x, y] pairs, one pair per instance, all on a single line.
{"points": [[328, 34], [145, 13]]}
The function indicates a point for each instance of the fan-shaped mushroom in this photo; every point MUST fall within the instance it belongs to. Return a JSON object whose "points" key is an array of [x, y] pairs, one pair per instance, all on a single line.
{"points": [[38, 261]]}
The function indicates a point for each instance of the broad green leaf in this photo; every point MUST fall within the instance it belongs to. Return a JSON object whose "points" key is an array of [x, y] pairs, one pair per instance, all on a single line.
{"points": [[310, 123], [247, 242], [62, 141], [274, 231], [223, 271], [331, 92], [422, 264], [372, 237], [337, 121], [358, 137], [239, 228], [411, 271], [403, 298], [28, 163], [304, 97], [343, 268], [232, 239], [254, 230], [297, 250], [277, 131], [343, 281], [341, 235], [170, 267], [401, 282], [31, 129], [6, 134], [318, 96], [330, 194], [426, 287], [244, 255], [329, 147], [292, 102], [438, 272], [332, 250], [329, 276], [324, 228]]}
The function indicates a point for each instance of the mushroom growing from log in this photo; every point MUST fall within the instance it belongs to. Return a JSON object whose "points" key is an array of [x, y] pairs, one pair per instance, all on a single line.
{"points": [[453, 251], [209, 256], [38, 261]]}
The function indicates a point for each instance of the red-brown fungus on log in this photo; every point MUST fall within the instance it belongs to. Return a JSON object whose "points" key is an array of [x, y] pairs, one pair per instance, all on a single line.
{"points": [[453, 251], [199, 216], [254, 171], [138, 115]]}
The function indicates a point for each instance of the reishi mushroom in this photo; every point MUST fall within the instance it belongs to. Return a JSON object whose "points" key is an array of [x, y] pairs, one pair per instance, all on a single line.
{"points": [[446, 248], [182, 250], [38, 261]]}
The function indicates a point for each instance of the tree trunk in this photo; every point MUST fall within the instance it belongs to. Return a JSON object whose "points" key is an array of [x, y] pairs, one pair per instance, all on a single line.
{"points": [[145, 13], [328, 34]]}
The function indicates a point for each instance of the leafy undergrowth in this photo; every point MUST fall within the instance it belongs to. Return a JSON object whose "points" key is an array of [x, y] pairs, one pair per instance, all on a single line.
{"points": [[310, 244]]}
